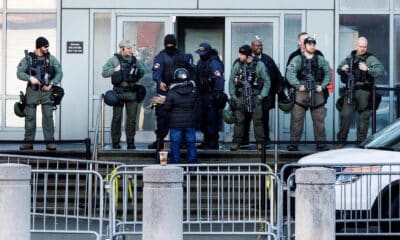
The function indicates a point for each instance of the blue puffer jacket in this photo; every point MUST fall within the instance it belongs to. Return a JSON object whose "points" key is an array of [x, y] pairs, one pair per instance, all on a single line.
{"points": [[182, 103]]}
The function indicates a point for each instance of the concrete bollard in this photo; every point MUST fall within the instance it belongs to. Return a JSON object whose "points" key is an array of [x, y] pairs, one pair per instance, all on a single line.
{"points": [[162, 203], [15, 201], [315, 203]]}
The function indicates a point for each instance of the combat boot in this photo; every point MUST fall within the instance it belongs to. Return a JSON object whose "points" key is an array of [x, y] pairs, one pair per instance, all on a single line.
{"points": [[26, 146], [234, 146], [259, 146], [51, 146], [131, 146]]}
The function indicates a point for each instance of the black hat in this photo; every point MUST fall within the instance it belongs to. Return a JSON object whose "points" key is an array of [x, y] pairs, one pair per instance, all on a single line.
{"points": [[246, 50], [310, 40], [41, 42], [169, 40], [203, 49]]}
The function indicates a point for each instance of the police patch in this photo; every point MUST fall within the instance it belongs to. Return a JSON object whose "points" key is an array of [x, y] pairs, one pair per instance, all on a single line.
{"points": [[217, 73], [156, 66]]}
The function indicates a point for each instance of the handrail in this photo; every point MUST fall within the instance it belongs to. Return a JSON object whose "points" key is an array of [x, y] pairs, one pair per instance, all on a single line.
{"points": [[99, 122]]}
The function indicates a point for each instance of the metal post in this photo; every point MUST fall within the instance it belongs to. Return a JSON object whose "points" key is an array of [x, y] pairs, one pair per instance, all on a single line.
{"points": [[397, 90], [162, 203], [102, 120], [87, 146], [276, 135], [15, 201], [373, 110]]}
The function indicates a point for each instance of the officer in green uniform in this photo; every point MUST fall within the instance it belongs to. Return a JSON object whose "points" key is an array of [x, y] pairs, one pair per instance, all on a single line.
{"points": [[248, 77], [309, 74], [124, 73], [364, 67], [41, 70]]}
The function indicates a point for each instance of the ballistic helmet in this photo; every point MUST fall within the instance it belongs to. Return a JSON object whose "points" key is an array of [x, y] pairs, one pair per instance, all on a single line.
{"points": [[57, 94], [181, 75], [19, 109], [111, 98], [229, 117], [286, 105], [339, 103], [140, 93]]}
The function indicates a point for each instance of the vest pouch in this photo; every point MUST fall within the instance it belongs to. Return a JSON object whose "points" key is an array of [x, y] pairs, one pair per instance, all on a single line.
{"points": [[116, 78]]}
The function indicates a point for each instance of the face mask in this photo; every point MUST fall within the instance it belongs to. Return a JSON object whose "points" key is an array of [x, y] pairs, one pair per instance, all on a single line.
{"points": [[170, 50], [205, 56]]}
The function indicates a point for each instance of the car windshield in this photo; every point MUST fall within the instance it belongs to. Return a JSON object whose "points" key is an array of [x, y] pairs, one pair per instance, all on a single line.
{"points": [[386, 139]]}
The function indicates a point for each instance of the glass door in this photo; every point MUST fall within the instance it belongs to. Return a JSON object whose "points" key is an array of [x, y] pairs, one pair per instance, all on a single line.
{"points": [[243, 30], [147, 34]]}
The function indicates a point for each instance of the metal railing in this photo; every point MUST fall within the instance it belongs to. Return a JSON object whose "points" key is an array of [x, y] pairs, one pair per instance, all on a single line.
{"points": [[367, 198], [61, 203], [218, 199], [99, 125]]}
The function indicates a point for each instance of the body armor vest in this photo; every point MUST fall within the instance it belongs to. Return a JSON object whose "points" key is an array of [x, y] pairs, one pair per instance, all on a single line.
{"points": [[205, 79], [250, 72], [316, 71], [169, 67], [128, 72], [359, 76], [43, 64]]}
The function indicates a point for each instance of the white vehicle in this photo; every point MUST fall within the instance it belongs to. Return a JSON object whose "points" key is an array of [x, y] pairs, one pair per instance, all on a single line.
{"points": [[367, 183]]}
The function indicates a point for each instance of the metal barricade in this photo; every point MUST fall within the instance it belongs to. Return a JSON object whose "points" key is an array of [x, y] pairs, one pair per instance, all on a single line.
{"points": [[61, 202], [228, 199], [367, 199]]}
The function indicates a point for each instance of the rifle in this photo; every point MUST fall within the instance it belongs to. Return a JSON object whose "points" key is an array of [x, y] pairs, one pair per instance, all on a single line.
{"points": [[38, 72], [350, 82], [246, 90], [310, 85]]}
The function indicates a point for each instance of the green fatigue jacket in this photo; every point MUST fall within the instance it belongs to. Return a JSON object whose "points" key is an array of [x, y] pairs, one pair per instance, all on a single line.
{"points": [[295, 66], [261, 72], [23, 65], [375, 67]]}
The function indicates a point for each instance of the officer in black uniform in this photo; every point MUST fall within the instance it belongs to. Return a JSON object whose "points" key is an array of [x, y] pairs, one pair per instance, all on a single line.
{"points": [[165, 64], [210, 85]]}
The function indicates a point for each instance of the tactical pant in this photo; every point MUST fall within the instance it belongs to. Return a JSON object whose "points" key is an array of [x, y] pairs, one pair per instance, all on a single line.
{"points": [[267, 105], [298, 115], [238, 130], [128, 99], [34, 98], [360, 104], [209, 120]]}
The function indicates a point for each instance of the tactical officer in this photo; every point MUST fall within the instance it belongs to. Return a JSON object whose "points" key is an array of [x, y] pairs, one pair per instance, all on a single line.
{"points": [[310, 75], [268, 102], [165, 64], [124, 73], [300, 42], [210, 85], [248, 84], [41, 70], [360, 67]]}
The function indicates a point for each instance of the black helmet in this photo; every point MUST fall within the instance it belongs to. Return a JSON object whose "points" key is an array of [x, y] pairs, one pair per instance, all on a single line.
{"points": [[111, 98], [181, 75], [286, 105], [57, 94], [339, 103], [19, 109]]}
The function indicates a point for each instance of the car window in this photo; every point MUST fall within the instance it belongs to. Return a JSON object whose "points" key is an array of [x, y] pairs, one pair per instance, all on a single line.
{"points": [[388, 138]]}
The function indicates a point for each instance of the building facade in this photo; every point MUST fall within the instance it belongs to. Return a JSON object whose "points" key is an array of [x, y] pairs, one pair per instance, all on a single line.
{"points": [[83, 34]]}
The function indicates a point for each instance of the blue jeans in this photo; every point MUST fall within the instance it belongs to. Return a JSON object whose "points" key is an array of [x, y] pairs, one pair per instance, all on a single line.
{"points": [[176, 138]]}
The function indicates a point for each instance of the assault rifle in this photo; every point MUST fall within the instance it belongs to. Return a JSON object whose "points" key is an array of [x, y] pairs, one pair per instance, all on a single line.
{"points": [[350, 82], [38, 72], [310, 85], [246, 90]]}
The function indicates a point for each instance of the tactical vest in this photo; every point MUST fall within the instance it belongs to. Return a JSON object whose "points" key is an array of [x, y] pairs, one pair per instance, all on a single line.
{"points": [[128, 72], [359, 76], [206, 79], [169, 67], [43, 63], [255, 82], [316, 70]]}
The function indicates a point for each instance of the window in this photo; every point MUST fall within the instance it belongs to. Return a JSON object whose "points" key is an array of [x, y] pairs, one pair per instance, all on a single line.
{"points": [[364, 4], [292, 29], [31, 4], [22, 31]]}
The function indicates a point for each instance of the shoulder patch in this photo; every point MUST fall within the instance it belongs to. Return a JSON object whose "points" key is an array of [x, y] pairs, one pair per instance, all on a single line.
{"points": [[217, 73], [156, 66]]}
